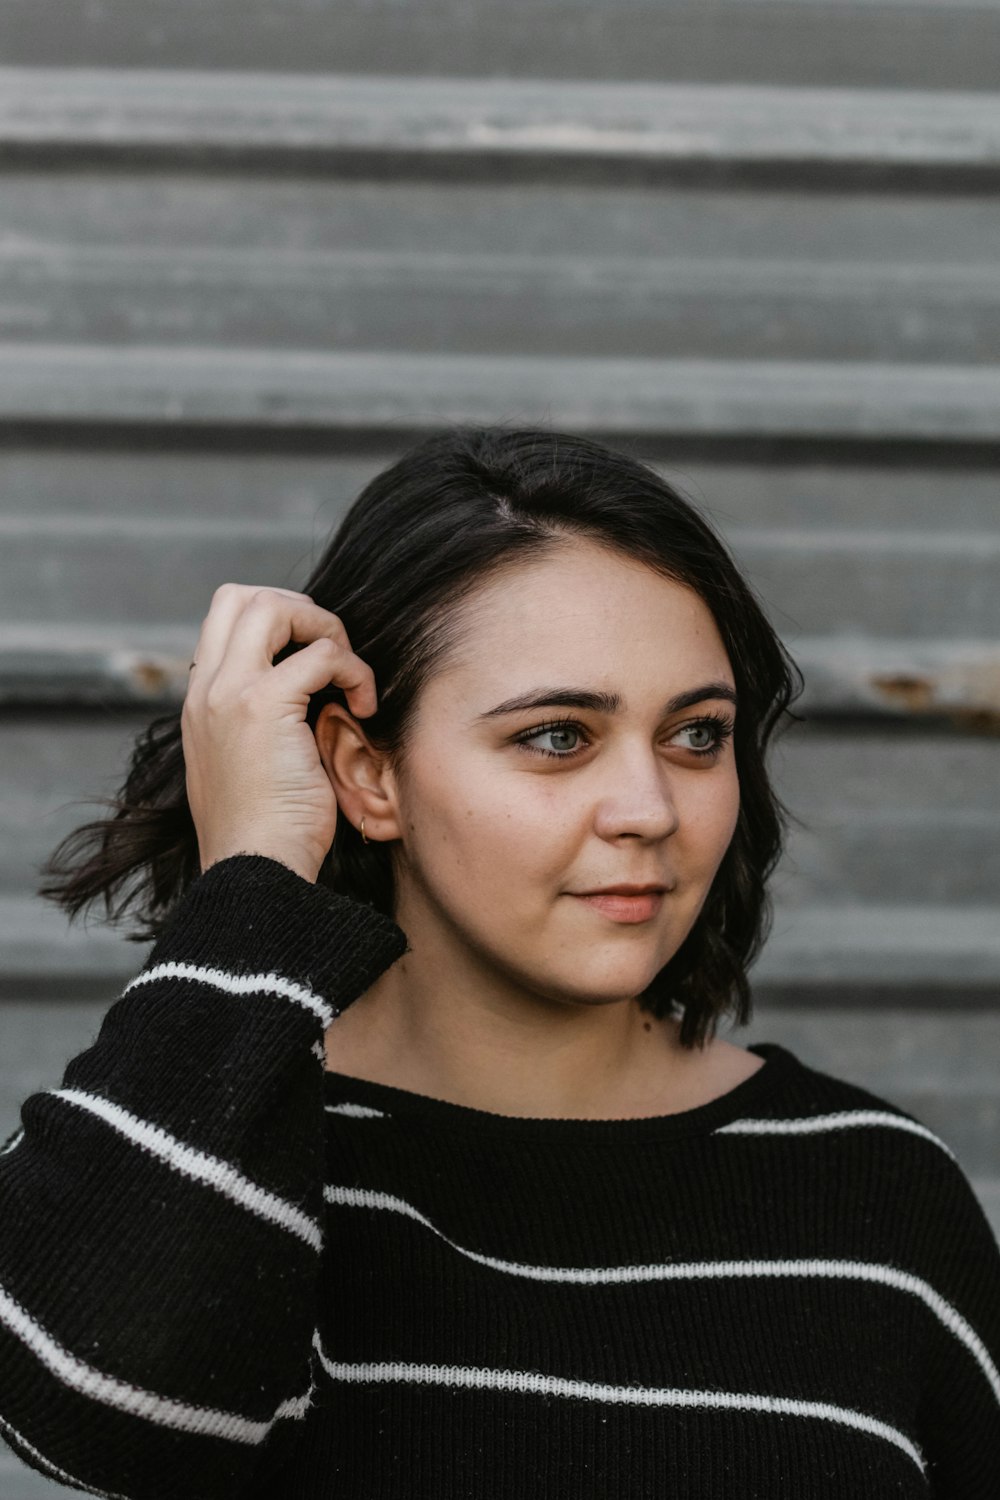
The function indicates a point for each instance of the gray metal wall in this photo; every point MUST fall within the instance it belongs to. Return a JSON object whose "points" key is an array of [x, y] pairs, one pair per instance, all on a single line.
{"points": [[249, 252]]}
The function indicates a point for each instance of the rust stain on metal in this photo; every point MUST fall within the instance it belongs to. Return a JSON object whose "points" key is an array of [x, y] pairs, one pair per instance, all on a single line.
{"points": [[150, 676], [918, 693], [977, 720], [914, 694]]}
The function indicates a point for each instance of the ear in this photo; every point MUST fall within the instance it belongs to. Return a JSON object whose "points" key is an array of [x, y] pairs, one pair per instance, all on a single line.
{"points": [[363, 783]]}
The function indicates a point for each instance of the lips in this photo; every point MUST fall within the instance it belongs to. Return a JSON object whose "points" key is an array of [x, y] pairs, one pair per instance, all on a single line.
{"points": [[624, 906], [624, 890]]}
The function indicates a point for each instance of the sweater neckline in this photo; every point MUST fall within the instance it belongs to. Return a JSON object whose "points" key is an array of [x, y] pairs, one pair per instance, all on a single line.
{"points": [[750, 1093]]}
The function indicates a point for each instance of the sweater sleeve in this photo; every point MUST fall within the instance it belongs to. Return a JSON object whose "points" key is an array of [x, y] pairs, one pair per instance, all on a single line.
{"points": [[959, 1419], [161, 1212]]}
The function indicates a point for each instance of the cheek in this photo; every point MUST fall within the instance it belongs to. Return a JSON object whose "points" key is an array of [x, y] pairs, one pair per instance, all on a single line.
{"points": [[498, 850], [467, 830], [732, 806], [715, 817]]}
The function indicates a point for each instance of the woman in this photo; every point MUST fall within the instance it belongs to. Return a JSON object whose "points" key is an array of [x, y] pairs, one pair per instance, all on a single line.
{"points": [[411, 1163]]}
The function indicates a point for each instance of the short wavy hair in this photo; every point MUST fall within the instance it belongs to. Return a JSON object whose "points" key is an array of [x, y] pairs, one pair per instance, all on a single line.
{"points": [[419, 539]]}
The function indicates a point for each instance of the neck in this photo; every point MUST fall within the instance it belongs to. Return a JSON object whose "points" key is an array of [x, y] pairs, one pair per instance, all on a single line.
{"points": [[451, 1029]]}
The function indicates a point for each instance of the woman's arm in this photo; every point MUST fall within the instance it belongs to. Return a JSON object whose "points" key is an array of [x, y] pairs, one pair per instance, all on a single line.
{"points": [[161, 1211], [959, 1418]]}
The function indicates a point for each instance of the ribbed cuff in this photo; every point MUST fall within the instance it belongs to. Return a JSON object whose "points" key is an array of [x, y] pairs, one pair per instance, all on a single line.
{"points": [[252, 914]]}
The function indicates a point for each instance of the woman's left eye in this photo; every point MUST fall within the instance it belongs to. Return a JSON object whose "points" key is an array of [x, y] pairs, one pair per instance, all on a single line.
{"points": [[718, 729], [704, 728]]}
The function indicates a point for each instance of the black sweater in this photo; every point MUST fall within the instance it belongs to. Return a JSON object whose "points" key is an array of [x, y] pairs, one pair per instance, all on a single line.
{"points": [[226, 1272]]}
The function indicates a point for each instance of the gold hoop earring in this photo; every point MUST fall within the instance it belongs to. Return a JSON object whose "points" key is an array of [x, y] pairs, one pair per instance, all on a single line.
{"points": [[363, 831]]}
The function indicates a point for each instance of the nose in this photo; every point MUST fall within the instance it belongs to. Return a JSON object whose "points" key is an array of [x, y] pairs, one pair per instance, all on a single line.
{"points": [[638, 797]]}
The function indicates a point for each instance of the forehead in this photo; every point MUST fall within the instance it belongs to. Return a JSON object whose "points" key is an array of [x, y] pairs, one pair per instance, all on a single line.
{"points": [[587, 610]]}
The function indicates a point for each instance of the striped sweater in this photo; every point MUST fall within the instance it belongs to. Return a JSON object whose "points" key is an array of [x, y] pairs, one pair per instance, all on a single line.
{"points": [[228, 1272]]}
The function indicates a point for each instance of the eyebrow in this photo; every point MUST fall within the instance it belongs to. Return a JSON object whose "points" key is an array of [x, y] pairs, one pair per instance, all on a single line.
{"points": [[603, 703]]}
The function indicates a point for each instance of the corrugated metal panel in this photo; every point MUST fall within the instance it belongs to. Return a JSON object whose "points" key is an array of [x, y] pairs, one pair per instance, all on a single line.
{"points": [[917, 43], [755, 243], [161, 294]]}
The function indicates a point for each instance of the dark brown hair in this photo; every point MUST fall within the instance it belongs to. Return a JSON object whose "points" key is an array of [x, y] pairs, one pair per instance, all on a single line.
{"points": [[422, 536]]}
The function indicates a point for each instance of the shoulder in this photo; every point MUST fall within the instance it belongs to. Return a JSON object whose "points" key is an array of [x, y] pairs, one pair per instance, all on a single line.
{"points": [[867, 1189], [854, 1133], [800, 1091]]}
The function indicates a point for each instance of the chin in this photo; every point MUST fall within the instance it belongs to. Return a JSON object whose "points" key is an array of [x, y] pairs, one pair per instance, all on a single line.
{"points": [[611, 993]]}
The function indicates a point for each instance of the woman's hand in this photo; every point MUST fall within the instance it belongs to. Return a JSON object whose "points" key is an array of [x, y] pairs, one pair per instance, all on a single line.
{"points": [[255, 781]]}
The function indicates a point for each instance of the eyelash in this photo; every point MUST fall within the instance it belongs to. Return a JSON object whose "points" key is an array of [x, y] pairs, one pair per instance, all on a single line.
{"points": [[723, 731]]}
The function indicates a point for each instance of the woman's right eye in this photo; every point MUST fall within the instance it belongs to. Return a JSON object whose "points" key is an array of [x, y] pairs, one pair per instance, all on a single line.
{"points": [[558, 734]]}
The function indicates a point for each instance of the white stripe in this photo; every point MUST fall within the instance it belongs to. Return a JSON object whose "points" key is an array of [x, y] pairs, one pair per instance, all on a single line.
{"points": [[847, 1270], [15, 1141], [359, 1111], [843, 1119], [529, 1382], [53, 1470], [240, 984], [296, 1406], [124, 1396], [218, 1174]]}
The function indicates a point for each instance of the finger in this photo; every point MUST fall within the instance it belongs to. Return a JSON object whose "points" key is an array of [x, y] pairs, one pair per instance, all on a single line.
{"points": [[269, 622], [318, 665], [226, 641], [218, 627]]}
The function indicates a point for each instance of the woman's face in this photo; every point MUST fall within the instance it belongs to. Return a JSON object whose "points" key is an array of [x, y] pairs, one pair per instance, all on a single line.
{"points": [[508, 814]]}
